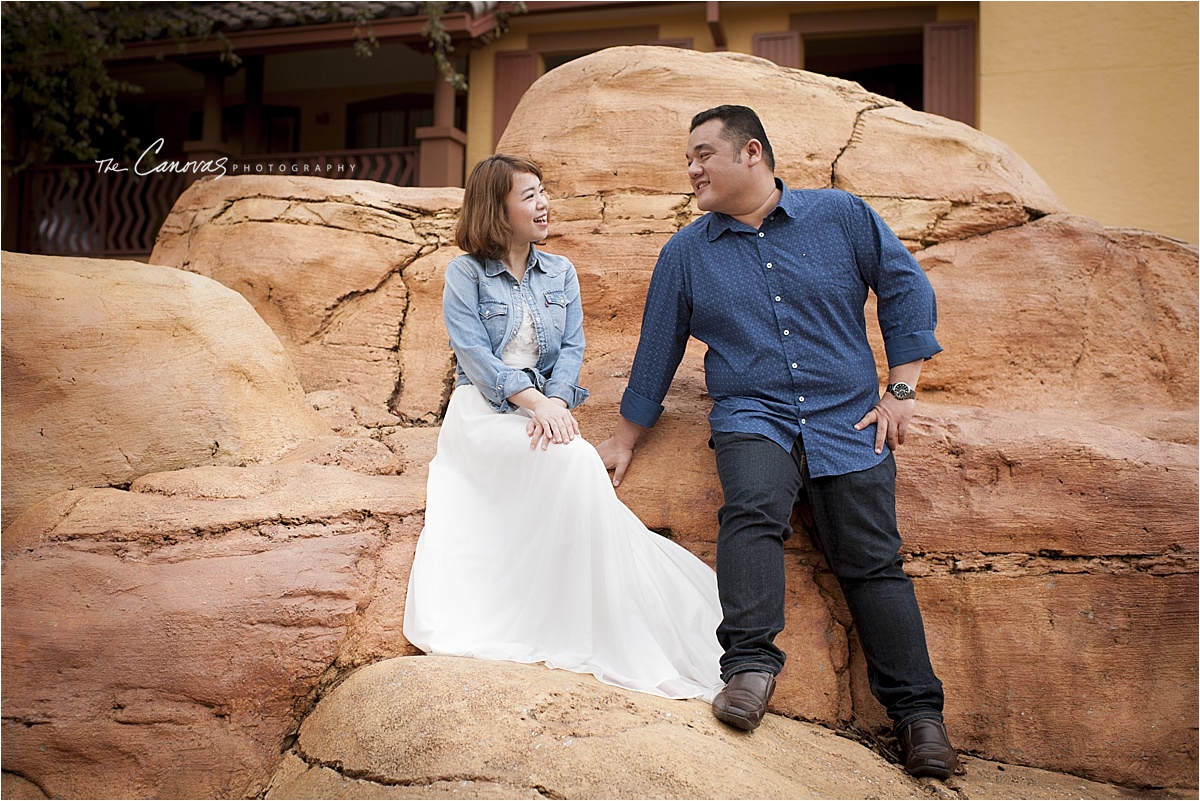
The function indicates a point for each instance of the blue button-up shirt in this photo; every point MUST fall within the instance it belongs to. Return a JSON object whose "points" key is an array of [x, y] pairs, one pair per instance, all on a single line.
{"points": [[482, 308], [781, 310]]}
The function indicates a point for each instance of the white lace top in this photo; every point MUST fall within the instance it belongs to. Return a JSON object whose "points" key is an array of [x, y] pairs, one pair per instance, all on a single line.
{"points": [[522, 350]]}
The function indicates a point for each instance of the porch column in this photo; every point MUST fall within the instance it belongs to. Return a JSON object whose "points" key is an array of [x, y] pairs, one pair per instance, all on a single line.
{"points": [[443, 147], [214, 107], [210, 146], [252, 120], [712, 13]]}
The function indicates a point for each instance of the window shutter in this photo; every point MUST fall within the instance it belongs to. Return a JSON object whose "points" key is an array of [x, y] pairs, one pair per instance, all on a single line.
{"points": [[784, 48], [515, 72], [950, 70]]}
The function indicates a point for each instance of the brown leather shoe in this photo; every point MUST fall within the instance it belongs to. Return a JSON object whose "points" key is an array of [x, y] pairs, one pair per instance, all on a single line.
{"points": [[925, 749], [743, 702]]}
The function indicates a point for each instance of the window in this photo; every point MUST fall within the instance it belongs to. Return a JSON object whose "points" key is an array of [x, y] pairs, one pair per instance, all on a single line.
{"points": [[553, 60], [902, 52], [280, 127], [888, 64], [391, 121]]}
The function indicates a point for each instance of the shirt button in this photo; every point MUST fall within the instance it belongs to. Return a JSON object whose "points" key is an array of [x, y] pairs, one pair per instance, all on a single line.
{"points": [[802, 399], [794, 366], [769, 265], [777, 298], [787, 333], [761, 234], [803, 422]]}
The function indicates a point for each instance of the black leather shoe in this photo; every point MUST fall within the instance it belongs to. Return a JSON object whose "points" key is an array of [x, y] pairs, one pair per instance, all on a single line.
{"points": [[743, 702], [925, 749]]}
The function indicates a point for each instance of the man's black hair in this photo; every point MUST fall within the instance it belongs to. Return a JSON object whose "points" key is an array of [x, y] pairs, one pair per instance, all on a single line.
{"points": [[741, 125]]}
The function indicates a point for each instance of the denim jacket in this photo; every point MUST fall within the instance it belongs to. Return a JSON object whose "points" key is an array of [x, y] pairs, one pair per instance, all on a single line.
{"points": [[481, 305]]}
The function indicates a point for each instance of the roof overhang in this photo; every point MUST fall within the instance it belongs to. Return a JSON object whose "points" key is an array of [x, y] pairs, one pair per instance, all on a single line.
{"points": [[461, 26]]}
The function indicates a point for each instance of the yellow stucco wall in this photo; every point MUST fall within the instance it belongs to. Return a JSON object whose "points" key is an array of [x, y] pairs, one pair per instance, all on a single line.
{"points": [[1101, 99]]}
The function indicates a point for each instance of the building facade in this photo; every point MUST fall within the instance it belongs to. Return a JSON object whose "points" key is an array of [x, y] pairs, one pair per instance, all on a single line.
{"points": [[1099, 97]]}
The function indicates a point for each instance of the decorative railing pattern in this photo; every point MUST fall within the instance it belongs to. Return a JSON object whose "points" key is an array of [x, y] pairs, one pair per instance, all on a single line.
{"points": [[78, 210]]}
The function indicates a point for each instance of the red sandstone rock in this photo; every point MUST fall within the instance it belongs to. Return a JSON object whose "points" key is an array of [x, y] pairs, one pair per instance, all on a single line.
{"points": [[623, 138], [117, 369], [1065, 316], [347, 274], [194, 617], [1047, 496]]}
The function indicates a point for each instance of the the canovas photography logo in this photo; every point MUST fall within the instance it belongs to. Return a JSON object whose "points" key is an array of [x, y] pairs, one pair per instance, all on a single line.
{"points": [[148, 164]]}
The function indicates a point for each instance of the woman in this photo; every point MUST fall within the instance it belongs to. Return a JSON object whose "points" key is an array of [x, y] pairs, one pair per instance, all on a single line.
{"points": [[527, 554]]}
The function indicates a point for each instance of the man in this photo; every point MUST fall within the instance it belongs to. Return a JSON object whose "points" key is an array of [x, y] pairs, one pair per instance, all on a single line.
{"points": [[774, 282]]}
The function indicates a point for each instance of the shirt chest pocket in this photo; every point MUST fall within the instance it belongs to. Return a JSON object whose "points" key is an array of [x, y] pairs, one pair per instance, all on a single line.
{"points": [[556, 306], [494, 314]]}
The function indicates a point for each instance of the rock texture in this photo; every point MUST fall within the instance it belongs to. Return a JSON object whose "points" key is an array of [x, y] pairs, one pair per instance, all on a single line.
{"points": [[165, 640], [167, 631], [943, 179], [347, 273], [1062, 315], [1048, 495], [117, 369], [436, 727]]}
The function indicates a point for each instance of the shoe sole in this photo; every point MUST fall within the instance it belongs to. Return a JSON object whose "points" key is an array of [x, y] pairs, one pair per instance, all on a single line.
{"points": [[937, 773], [745, 724]]}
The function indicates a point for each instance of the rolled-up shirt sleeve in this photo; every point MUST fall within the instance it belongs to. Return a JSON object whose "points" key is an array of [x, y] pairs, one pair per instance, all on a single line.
{"points": [[666, 325], [509, 383], [906, 307]]}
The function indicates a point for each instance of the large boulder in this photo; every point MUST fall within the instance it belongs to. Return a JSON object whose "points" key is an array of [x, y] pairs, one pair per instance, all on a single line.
{"points": [[167, 634], [163, 642], [347, 273], [116, 369], [438, 727], [1064, 316], [1056, 434], [188, 549], [622, 137]]}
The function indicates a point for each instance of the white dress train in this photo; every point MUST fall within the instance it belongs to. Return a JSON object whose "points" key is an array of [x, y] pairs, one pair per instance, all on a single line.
{"points": [[530, 556]]}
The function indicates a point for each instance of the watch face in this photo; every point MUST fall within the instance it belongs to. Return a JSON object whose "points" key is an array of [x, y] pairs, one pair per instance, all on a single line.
{"points": [[902, 391]]}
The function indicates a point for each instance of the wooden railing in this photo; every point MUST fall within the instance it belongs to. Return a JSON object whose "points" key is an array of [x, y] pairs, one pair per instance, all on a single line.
{"points": [[78, 210]]}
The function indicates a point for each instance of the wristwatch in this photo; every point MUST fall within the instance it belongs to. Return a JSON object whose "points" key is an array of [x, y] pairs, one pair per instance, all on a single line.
{"points": [[901, 390]]}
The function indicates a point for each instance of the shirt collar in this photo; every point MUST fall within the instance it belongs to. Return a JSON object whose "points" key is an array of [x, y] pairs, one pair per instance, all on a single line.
{"points": [[493, 267], [789, 204]]}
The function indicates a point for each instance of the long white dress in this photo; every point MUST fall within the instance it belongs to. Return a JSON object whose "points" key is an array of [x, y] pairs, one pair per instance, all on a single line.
{"points": [[530, 556]]}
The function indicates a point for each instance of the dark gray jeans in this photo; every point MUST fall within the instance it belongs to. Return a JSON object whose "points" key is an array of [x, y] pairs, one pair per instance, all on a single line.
{"points": [[854, 516]]}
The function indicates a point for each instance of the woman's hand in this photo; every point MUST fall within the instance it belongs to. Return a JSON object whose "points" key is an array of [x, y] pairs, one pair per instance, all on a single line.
{"points": [[552, 422]]}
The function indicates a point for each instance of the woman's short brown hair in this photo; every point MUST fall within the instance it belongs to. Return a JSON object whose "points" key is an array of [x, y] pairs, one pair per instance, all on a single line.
{"points": [[483, 227]]}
